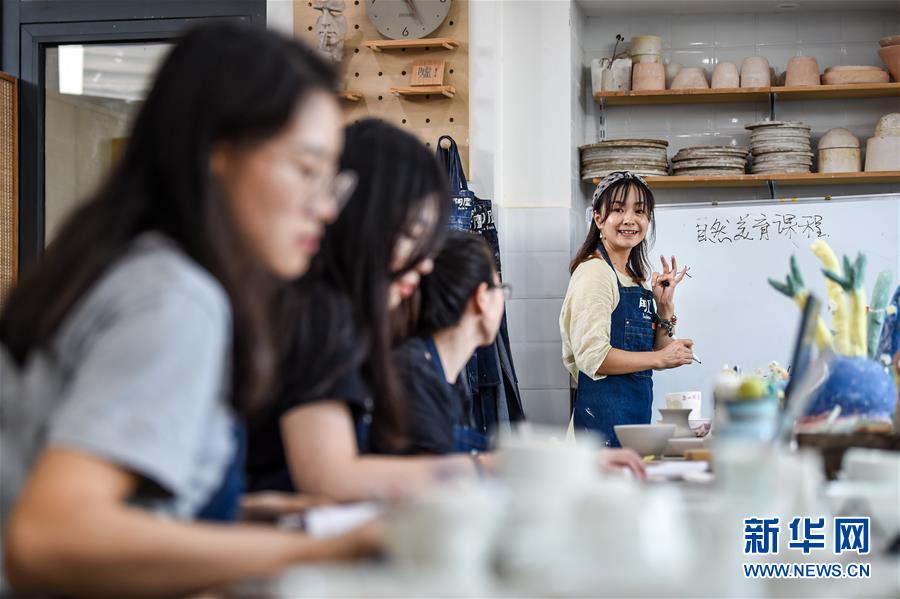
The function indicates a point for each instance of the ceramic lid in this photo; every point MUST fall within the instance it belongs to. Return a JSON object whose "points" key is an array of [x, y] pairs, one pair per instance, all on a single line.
{"points": [[838, 138]]}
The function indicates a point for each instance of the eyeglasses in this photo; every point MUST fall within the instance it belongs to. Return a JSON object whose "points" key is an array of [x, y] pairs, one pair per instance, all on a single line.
{"points": [[507, 290], [338, 189]]}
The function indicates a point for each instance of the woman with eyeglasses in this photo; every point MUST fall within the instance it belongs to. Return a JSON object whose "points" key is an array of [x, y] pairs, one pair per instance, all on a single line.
{"points": [[132, 354], [344, 405]]}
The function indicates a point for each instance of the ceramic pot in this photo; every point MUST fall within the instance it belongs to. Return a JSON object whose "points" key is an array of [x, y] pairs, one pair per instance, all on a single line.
{"points": [[690, 78], [802, 70], [755, 72], [888, 125], [883, 154], [646, 44], [891, 40], [648, 76], [678, 417], [891, 57], [839, 152], [859, 385], [726, 76], [671, 70], [855, 75]]}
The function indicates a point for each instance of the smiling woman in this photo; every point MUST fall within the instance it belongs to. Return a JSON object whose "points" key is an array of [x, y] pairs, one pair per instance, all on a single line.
{"points": [[615, 324]]}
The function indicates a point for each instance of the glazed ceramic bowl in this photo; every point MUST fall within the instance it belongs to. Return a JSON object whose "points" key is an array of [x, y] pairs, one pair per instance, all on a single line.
{"points": [[891, 57], [726, 76], [755, 72], [645, 439], [802, 70], [690, 78], [648, 76]]}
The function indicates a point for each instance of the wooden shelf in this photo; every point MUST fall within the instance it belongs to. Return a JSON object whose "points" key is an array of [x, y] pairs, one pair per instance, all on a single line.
{"points": [[350, 96], [447, 43], [425, 90], [682, 182], [749, 94]]}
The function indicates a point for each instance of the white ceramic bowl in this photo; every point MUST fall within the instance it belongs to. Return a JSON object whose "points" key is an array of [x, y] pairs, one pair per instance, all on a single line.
{"points": [[645, 439]]}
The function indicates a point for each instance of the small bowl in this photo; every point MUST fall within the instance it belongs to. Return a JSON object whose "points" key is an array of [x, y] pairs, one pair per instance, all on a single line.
{"points": [[677, 447], [645, 439]]}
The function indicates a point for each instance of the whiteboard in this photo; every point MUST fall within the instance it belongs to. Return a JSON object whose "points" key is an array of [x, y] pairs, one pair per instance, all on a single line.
{"points": [[728, 307]]}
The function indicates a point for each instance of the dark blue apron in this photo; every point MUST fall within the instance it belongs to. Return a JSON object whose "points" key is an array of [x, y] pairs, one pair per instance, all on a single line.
{"points": [[622, 398], [224, 504], [465, 438]]}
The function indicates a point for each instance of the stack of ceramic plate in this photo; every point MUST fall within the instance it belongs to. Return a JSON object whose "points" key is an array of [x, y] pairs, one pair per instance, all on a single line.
{"points": [[710, 161], [780, 147], [642, 156]]}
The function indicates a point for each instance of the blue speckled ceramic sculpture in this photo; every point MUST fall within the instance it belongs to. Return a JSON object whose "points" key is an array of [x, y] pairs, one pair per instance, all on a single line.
{"points": [[860, 386]]}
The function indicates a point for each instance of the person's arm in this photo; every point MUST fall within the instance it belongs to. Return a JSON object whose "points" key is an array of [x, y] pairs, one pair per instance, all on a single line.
{"points": [[71, 533], [323, 458]]}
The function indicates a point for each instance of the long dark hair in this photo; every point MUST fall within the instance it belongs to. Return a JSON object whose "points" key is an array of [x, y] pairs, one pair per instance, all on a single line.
{"points": [[638, 259], [464, 263], [398, 180], [221, 83]]}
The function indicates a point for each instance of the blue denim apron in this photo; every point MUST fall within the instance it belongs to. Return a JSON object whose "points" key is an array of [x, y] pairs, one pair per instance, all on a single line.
{"points": [[224, 504], [622, 398], [465, 438]]}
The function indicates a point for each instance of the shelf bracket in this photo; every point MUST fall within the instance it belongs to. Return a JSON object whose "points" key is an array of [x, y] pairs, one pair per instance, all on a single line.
{"points": [[772, 98], [773, 189], [603, 119]]}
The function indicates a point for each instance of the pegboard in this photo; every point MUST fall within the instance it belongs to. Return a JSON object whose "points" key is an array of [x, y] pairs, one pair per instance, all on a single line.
{"points": [[372, 74]]}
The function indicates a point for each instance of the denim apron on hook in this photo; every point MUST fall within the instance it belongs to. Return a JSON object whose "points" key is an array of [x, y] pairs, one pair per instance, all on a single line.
{"points": [[620, 398]]}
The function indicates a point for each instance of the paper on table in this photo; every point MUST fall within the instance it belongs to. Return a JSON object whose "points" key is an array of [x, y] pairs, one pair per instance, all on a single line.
{"points": [[676, 469], [332, 520]]}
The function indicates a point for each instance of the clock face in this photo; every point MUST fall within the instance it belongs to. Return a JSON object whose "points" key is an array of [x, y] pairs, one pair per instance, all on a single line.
{"points": [[407, 19]]}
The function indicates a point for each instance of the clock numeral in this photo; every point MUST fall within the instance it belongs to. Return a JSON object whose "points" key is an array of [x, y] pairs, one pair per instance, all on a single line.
{"points": [[405, 31]]}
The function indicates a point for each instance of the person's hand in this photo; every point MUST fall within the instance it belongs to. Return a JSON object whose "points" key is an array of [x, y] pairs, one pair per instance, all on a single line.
{"points": [[268, 506], [616, 459], [664, 284], [678, 353], [366, 541]]}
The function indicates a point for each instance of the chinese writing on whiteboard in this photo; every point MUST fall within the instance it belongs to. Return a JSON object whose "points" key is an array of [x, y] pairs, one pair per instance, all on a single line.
{"points": [[759, 227]]}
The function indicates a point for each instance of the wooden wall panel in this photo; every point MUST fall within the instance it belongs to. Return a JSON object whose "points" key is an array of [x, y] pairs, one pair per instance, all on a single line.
{"points": [[9, 189], [372, 74]]}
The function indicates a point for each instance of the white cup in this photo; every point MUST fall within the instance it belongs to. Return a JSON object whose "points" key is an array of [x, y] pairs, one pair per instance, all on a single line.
{"points": [[686, 399]]}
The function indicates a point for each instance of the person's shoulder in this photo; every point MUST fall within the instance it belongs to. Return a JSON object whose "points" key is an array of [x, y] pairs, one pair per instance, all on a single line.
{"points": [[156, 271], [594, 271]]}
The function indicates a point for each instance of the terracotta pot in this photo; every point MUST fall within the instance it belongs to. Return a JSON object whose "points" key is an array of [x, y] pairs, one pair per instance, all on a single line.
{"points": [[883, 154], [725, 75], [802, 70], [891, 57], [690, 78], [891, 40], [850, 76], [755, 72], [648, 76]]}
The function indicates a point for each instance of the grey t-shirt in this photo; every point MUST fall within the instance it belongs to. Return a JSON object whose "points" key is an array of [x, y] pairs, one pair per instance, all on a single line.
{"points": [[137, 376]]}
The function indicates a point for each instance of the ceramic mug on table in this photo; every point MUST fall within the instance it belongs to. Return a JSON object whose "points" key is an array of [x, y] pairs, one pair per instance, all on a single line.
{"points": [[686, 399]]}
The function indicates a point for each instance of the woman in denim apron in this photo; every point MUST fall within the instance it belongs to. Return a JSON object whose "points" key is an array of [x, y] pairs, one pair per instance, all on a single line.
{"points": [[619, 390]]}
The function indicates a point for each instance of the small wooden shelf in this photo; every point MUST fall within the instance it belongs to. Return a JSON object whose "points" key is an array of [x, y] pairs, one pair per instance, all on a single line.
{"points": [[749, 94], [682, 182], [350, 96], [447, 43], [425, 90]]}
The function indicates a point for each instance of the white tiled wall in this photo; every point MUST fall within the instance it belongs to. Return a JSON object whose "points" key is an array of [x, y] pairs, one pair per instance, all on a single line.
{"points": [[532, 106]]}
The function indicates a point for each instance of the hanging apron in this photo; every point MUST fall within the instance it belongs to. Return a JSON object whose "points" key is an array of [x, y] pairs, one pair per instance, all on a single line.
{"points": [[465, 438], [622, 398], [224, 504]]}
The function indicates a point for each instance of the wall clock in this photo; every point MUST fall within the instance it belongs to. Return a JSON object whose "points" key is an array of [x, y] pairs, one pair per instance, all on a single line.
{"points": [[407, 19]]}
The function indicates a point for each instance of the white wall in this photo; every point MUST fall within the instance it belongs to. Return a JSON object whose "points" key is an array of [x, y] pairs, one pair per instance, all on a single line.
{"points": [[280, 15]]}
